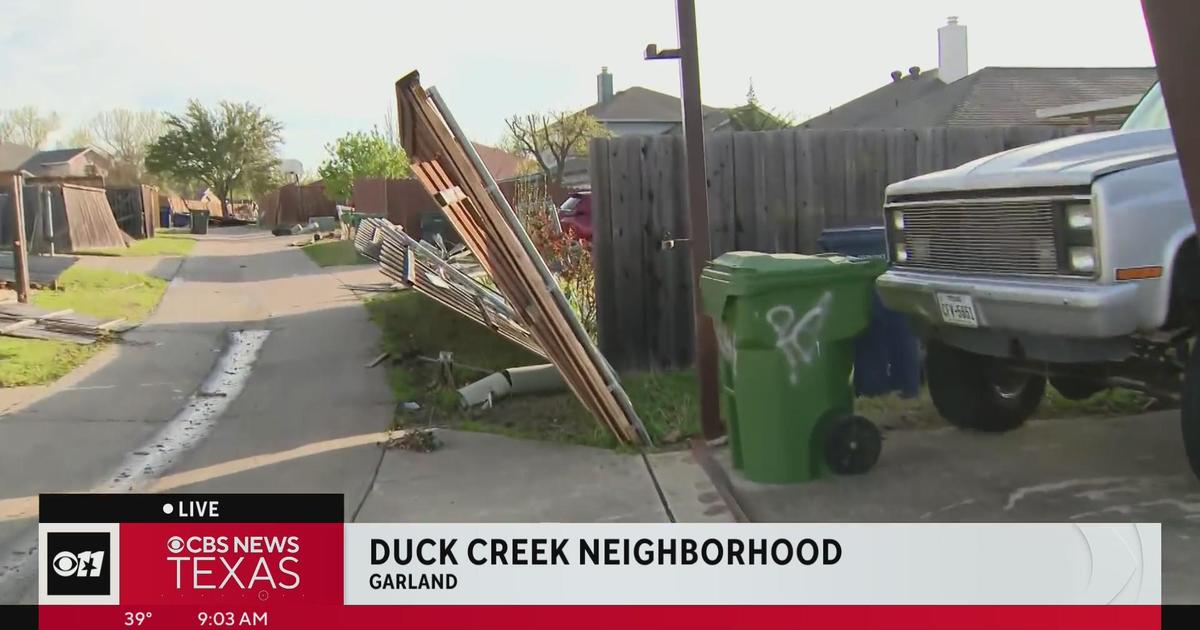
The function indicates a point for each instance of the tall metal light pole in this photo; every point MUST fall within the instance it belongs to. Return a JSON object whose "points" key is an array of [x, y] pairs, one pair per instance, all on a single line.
{"points": [[697, 220]]}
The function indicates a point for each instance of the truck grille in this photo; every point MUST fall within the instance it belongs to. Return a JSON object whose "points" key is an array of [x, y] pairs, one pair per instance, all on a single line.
{"points": [[981, 236]]}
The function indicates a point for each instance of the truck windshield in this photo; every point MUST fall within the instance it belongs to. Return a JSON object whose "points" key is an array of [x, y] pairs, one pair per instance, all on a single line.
{"points": [[1151, 113]]}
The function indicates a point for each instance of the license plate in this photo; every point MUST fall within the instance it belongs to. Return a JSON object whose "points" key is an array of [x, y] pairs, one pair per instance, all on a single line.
{"points": [[958, 309]]}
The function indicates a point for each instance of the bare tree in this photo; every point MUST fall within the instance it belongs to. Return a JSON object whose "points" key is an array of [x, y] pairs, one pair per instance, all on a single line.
{"points": [[28, 126], [126, 136], [79, 137], [390, 131], [550, 138]]}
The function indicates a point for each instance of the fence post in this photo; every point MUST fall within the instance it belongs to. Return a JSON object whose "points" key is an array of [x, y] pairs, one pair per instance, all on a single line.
{"points": [[20, 263]]}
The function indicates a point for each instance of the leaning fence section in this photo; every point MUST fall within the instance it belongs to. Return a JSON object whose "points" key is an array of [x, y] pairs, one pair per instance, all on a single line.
{"points": [[767, 191]]}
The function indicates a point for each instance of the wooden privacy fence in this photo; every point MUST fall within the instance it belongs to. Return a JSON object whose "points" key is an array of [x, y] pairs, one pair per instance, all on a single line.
{"points": [[767, 191], [135, 208]]}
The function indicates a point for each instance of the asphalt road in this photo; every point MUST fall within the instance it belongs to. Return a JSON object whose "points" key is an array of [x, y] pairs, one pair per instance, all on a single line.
{"points": [[306, 384]]}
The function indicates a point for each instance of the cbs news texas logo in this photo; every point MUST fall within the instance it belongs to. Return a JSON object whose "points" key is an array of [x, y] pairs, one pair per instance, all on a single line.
{"points": [[78, 563]]}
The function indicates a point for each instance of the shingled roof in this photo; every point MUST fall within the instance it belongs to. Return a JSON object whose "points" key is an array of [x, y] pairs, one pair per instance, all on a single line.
{"points": [[639, 104], [13, 155], [990, 96]]}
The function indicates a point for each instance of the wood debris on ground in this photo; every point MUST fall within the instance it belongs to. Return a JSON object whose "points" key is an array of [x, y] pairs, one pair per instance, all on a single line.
{"points": [[416, 440], [30, 322]]}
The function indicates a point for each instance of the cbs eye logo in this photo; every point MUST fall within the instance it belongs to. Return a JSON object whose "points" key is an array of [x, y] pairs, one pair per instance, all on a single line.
{"points": [[79, 563]]}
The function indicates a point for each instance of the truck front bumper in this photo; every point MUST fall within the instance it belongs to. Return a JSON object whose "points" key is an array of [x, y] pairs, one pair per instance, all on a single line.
{"points": [[1043, 307]]}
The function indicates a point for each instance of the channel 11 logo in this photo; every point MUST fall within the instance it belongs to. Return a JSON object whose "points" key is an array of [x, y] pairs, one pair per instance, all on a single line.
{"points": [[78, 564]]}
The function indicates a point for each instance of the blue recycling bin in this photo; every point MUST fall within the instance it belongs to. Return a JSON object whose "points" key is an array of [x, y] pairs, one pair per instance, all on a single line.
{"points": [[887, 356]]}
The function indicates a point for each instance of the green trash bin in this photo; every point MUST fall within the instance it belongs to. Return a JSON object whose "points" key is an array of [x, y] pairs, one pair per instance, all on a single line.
{"points": [[200, 221], [785, 326]]}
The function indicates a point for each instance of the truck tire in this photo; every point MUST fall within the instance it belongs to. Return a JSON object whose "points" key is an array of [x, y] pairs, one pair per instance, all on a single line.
{"points": [[1189, 412], [973, 391], [1075, 388]]}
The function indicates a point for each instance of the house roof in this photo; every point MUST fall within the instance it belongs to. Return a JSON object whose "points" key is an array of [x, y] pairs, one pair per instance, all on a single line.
{"points": [[639, 104], [37, 163], [57, 156], [500, 163], [13, 156], [990, 96]]}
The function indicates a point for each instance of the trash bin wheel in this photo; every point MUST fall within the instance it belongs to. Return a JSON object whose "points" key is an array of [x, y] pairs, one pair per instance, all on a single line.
{"points": [[1189, 413], [852, 445], [974, 391]]}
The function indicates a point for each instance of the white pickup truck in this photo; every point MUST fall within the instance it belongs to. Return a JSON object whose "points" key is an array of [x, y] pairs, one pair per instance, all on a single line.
{"points": [[1073, 261]]}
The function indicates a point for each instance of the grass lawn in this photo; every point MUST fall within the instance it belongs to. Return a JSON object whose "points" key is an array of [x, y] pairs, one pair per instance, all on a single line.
{"points": [[168, 244], [413, 325], [103, 293], [334, 253], [96, 292]]}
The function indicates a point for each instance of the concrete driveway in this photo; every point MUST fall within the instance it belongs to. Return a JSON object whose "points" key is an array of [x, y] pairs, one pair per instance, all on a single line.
{"points": [[1086, 470]]}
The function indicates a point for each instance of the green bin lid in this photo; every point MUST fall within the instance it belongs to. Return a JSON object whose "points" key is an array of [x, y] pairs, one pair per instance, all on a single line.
{"points": [[748, 273]]}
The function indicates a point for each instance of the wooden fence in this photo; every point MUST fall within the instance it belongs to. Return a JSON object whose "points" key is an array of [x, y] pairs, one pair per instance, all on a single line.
{"points": [[135, 208], [767, 191]]}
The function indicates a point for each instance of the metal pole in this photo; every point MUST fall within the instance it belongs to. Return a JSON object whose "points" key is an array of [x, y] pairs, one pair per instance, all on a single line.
{"points": [[20, 263], [50, 220], [688, 54]]}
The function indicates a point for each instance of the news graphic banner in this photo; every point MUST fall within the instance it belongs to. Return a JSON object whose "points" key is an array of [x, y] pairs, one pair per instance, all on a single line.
{"points": [[289, 561], [183, 561]]}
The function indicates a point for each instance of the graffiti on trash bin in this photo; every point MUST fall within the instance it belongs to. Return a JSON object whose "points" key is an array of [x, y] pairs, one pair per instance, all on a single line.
{"points": [[726, 343], [798, 338]]}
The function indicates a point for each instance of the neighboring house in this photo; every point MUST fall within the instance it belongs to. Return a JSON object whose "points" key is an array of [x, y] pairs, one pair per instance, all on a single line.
{"points": [[69, 163], [500, 163], [634, 111], [952, 96], [13, 156], [641, 111]]}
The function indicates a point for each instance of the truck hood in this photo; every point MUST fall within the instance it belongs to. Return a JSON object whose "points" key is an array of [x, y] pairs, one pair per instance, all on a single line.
{"points": [[1071, 161]]}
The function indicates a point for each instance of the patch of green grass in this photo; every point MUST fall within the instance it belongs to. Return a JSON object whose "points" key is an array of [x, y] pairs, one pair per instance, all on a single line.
{"points": [[414, 326], [96, 292], [39, 361], [168, 244], [330, 253], [103, 293]]}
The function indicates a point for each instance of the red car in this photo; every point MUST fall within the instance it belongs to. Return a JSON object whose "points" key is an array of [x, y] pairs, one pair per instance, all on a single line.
{"points": [[575, 216]]}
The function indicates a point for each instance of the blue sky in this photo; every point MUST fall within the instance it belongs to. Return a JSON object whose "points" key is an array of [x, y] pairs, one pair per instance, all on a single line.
{"points": [[324, 68]]}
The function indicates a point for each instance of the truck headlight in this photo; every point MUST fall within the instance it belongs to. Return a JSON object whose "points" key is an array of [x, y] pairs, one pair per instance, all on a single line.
{"points": [[900, 252], [898, 219], [1083, 259], [1079, 217]]}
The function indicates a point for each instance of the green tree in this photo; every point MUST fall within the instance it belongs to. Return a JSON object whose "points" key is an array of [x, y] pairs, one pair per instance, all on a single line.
{"points": [[550, 138], [232, 147], [754, 117], [361, 154]]}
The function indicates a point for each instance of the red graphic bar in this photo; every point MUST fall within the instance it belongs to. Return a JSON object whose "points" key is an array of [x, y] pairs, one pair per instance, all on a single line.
{"points": [[607, 617]]}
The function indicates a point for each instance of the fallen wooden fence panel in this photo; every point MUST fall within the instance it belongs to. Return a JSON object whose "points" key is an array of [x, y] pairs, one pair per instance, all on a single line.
{"points": [[31, 322], [416, 265], [444, 160]]}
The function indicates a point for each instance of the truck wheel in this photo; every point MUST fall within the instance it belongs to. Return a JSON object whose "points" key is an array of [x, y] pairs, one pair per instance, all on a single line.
{"points": [[1074, 388], [1189, 413], [973, 391]]}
